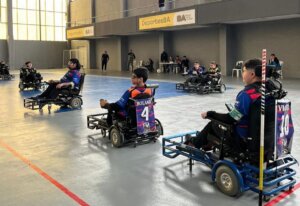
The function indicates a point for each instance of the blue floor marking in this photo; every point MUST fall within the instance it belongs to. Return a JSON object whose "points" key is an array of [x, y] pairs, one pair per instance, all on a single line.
{"points": [[112, 88]]}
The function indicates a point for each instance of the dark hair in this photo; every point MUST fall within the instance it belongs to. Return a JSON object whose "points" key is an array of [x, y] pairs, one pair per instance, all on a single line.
{"points": [[76, 61], [141, 72], [28, 62], [254, 64], [273, 54]]}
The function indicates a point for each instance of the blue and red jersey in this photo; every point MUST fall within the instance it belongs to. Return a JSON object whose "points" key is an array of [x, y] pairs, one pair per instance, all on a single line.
{"points": [[73, 75], [133, 92]]}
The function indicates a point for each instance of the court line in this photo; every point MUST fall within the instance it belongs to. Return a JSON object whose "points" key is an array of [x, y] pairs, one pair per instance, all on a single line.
{"points": [[44, 174], [282, 195]]}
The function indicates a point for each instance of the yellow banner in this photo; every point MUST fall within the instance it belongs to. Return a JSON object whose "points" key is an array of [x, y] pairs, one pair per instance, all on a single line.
{"points": [[179, 18], [80, 32], [152, 22]]}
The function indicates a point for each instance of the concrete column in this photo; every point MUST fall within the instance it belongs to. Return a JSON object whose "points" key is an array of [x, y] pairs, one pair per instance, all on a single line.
{"points": [[10, 35], [164, 43], [124, 8], [225, 49], [123, 51]]}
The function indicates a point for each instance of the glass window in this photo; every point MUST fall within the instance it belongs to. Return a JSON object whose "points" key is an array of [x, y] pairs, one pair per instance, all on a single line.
{"points": [[3, 29], [39, 19], [59, 21], [58, 5], [32, 17], [3, 19], [49, 5], [21, 4], [49, 18], [15, 28], [22, 16], [32, 4], [22, 32], [50, 33], [3, 3], [3, 14], [59, 33], [32, 32]]}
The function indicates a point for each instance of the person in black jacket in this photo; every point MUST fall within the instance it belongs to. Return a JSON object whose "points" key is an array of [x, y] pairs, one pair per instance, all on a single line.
{"points": [[104, 60]]}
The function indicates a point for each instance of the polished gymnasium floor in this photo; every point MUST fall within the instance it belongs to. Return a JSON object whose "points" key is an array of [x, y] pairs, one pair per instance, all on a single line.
{"points": [[46, 159]]}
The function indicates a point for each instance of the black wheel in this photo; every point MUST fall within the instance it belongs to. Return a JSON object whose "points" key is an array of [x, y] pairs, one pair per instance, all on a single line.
{"points": [[21, 86], [115, 137], [227, 181], [103, 132], [76, 103], [266, 198], [222, 88], [159, 127]]}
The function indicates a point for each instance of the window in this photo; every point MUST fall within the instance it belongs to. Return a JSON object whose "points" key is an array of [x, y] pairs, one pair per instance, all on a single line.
{"points": [[3, 19], [43, 20]]}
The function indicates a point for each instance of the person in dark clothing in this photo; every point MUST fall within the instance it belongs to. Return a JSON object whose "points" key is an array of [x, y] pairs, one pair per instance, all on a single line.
{"points": [[164, 58], [30, 73], [185, 64], [4, 68], [104, 60], [131, 58], [139, 88], [274, 61], [150, 65], [239, 115], [70, 79]]}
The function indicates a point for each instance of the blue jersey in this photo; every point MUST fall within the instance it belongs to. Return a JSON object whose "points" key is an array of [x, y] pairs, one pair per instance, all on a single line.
{"points": [[242, 109], [72, 76]]}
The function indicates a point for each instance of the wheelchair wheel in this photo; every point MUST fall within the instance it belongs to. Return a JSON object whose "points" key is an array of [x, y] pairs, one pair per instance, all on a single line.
{"points": [[75, 103], [222, 88], [227, 181], [159, 127], [21, 86], [116, 137]]}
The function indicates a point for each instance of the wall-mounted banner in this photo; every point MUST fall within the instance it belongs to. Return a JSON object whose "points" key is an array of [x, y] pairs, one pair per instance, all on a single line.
{"points": [[80, 32], [168, 20]]}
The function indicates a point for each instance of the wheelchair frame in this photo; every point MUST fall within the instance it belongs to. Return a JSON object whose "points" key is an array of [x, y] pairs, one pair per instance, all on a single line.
{"points": [[202, 89], [74, 100], [276, 179]]}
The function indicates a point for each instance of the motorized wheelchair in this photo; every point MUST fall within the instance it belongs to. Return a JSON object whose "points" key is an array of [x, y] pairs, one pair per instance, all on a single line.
{"points": [[31, 79], [67, 97], [139, 127], [234, 163], [202, 84], [4, 72]]}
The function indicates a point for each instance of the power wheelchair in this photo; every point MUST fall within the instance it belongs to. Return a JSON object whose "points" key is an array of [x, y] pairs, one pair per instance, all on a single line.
{"points": [[67, 97], [203, 84], [4, 72], [139, 127], [31, 79], [235, 168]]}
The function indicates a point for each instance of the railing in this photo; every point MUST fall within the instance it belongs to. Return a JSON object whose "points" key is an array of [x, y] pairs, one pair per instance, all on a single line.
{"points": [[147, 9]]}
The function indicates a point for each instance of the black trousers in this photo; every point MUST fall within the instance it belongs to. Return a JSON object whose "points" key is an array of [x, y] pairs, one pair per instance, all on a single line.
{"points": [[201, 139], [51, 92], [104, 64]]}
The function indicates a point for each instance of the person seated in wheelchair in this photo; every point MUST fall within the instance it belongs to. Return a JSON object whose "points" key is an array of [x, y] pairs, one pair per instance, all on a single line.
{"points": [[196, 74], [122, 108], [70, 80], [29, 74], [239, 117], [213, 73], [4, 69]]}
